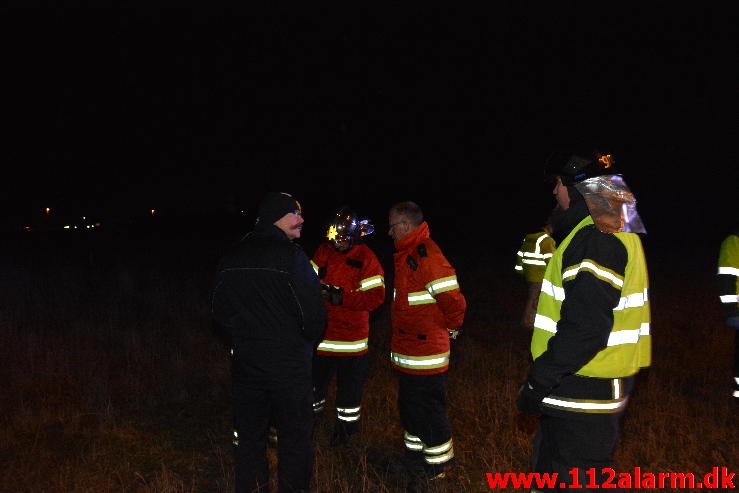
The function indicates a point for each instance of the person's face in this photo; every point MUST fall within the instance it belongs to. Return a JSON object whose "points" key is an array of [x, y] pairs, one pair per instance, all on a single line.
{"points": [[291, 224], [399, 227], [561, 194], [342, 245]]}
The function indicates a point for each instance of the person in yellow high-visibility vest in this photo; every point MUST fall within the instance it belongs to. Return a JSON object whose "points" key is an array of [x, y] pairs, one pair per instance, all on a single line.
{"points": [[727, 278], [531, 263], [591, 333]]}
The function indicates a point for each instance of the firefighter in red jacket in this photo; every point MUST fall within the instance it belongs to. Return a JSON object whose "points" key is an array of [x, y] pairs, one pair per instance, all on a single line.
{"points": [[427, 311], [353, 285]]}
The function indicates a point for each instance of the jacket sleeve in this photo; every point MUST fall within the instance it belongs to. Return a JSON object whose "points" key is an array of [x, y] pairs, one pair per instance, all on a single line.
{"points": [[586, 315], [727, 277], [444, 286], [370, 294], [308, 292]]}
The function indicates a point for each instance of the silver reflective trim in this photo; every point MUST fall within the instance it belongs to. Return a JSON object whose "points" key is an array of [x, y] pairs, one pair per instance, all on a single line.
{"points": [[545, 323], [586, 406], [440, 459], [556, 292], [624, 337], [439, 448], [632, 301]]}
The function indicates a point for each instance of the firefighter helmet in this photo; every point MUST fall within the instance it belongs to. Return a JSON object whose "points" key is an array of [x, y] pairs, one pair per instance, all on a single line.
{"points": [[573, 167], [345, 226]]}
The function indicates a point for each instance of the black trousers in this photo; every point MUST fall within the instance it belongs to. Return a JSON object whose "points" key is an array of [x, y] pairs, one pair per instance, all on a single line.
{"points": [[289, 409], [351, 373], [577, 441], [422, 405]]}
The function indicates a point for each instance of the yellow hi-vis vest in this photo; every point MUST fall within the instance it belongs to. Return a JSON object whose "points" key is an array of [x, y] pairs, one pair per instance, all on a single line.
{"points": [[629, 344]]}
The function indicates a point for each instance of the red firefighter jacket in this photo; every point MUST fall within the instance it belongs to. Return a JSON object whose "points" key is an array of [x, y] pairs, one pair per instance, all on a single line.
{"points": [[359, 273], [427, 303]]}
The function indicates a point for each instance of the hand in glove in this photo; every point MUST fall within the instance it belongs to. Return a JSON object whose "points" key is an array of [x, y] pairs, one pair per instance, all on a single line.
{"points": [[529, 397], [332, 294], [733, 322], [454, 333]]}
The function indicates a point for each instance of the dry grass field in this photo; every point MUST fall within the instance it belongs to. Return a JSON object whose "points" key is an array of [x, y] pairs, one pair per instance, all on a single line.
{"points": [[113, 379]]}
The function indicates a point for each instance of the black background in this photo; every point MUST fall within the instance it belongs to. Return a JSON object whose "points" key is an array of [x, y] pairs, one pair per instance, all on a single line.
{"points": [[113, 111]]}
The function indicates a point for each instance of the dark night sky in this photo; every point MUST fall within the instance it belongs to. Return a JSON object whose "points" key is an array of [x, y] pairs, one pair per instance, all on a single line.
{"points": [[113, 110]]}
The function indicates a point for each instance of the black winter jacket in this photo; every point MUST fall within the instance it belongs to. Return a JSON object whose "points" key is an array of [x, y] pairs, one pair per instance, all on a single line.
{"points": [[267, 299]]}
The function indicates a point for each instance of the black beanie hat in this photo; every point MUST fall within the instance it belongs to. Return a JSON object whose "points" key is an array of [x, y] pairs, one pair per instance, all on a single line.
{"points": [[274, 205]]}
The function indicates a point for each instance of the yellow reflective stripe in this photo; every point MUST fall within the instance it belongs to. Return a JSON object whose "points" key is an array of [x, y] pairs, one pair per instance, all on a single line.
{"points": [[412, 442], [442, 285], [440, 459], [439, 454], [594, 406], [343, 346], [439, 449], [420, 298], [348, 414], [348, 410], [600, 272], [420, 362], [371, 282], [318, 406], [315, 266]]}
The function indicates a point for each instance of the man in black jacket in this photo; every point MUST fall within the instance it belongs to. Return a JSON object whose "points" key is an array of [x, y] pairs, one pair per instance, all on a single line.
{"points": [[267, 298], [591, 333]]}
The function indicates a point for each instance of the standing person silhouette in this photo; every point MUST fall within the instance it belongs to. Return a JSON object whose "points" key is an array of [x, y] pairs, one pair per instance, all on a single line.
{"points": [[427, 311], [592, 328], [353, 282], [267, 298]]}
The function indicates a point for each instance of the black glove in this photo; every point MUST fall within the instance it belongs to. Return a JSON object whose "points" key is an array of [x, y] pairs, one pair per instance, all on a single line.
{"points": [[733, 321], [333, 294], [530, 396]]}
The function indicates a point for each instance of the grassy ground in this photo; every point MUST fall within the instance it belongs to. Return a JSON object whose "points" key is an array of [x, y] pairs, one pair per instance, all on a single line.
{"points": [[114, 381]]}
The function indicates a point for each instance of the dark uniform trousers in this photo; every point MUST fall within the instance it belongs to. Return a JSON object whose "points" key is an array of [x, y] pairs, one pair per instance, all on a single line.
{"points": [[585, 441], [289, 409], [422, 404], [351, 373]]}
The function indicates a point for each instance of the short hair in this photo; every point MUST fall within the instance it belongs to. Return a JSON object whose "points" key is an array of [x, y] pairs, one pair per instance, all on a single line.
{"points": [[409, 210]]}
